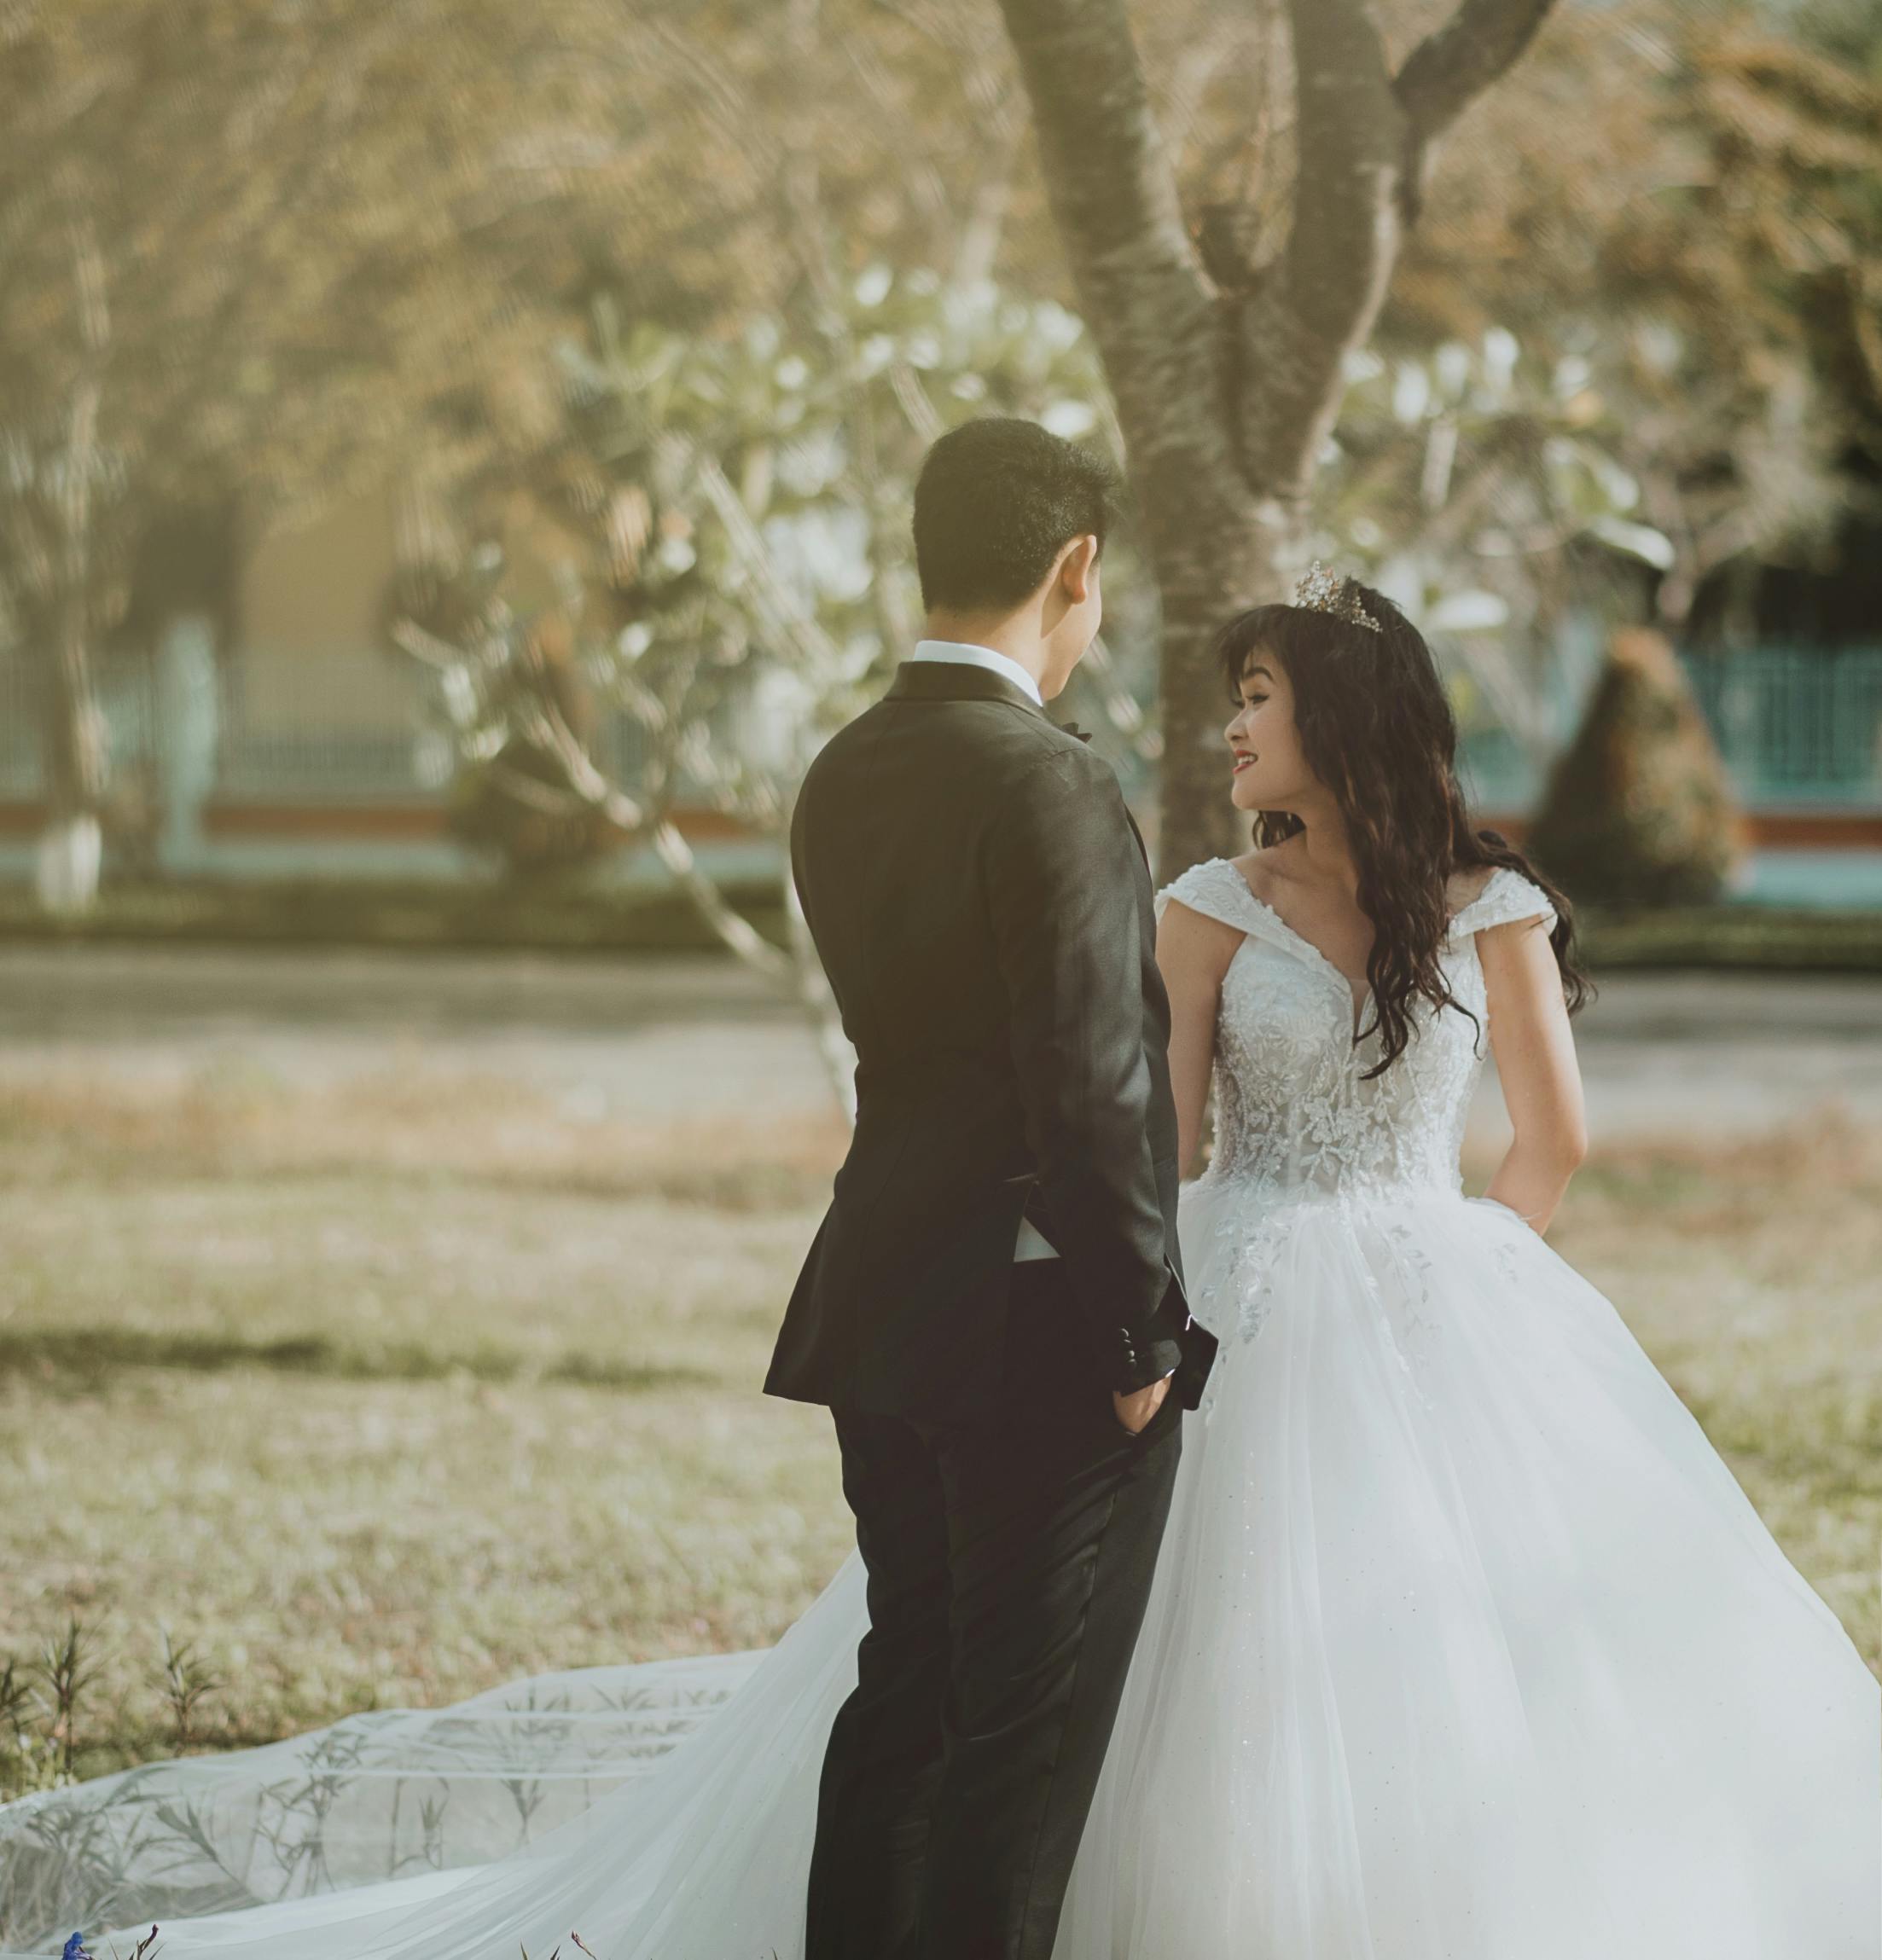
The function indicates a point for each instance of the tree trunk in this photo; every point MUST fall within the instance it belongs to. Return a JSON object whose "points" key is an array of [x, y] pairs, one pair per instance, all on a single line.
{"points": [[1227, 373], [65, 868], [1213, 558], [75, 752]]}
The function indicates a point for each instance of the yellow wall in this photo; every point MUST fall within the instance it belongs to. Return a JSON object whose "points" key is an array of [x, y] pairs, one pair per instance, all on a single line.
{"points": [[311, 653]]}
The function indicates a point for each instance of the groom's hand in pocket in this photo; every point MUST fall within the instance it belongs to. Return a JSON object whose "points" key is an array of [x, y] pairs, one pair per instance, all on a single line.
{"points": [[1137, 1410]]}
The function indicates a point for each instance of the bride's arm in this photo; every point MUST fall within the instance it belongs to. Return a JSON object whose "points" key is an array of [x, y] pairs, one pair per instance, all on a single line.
{"points": [[1534, 1051], [1194, 952]]}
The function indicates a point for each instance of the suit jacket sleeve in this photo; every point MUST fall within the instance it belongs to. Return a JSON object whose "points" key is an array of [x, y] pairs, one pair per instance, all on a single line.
{"points": [[1064, 874]]}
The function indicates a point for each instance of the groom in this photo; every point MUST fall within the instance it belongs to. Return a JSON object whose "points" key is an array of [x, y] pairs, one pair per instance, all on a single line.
{"points": [[993, 1307]]}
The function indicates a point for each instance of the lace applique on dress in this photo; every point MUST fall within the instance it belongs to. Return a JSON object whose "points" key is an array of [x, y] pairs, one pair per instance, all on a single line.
{"points": [[1296, 1119]]}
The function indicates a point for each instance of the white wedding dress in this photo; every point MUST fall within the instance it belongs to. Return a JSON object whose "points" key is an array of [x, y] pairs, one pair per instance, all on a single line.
{"points": [[1463, 1645]]}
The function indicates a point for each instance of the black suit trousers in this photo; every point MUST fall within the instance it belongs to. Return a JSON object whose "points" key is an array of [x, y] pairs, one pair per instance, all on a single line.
{"points": [[1009, 1569]]}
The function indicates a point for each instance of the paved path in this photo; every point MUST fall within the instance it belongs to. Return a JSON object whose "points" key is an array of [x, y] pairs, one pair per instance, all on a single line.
{"points": [[1664, 1054]]}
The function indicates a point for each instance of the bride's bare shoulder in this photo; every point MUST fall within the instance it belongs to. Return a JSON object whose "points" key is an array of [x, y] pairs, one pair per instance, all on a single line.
{"points": [[1196, 933], [1263, 869], [1464, 888]]}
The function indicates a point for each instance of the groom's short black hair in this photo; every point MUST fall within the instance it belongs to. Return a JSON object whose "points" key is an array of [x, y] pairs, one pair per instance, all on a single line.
{"points": [[997, 502]]}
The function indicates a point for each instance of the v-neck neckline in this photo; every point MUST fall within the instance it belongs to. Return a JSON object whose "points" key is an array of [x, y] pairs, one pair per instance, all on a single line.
{"points": [[1357, 1001]]}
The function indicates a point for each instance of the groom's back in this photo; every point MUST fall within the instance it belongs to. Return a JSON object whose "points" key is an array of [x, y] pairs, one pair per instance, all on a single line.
{"points": [[981, 903], [887, 847], [902, 824]]}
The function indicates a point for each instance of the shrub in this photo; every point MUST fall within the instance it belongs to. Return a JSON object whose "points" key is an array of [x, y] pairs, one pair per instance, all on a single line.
{"points": [[1640, 810]]}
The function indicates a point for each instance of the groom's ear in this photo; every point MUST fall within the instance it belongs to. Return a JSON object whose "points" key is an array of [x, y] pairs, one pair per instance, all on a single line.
{"points": [[1078, 566]]}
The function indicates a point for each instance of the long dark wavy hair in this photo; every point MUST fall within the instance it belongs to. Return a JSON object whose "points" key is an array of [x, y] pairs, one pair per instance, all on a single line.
{"points": [[1377, 732]]}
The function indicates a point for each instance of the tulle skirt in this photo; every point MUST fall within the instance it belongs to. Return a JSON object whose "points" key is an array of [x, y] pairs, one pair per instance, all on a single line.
{"points": [[1463, 1645]]}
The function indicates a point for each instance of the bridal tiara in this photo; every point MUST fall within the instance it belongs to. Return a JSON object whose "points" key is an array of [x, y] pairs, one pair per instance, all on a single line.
{"points": [[1324, 590]]}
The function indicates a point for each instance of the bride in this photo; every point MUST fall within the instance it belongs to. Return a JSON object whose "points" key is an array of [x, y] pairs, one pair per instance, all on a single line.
{"points": [[1463, 1645]]}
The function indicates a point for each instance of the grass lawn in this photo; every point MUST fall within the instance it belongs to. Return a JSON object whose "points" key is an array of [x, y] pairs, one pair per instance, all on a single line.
{"points": [[384, 1395]]}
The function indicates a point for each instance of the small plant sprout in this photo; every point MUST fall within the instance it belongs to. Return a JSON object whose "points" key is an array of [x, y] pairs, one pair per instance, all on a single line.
{"points": [[65, 1664], [186, 1683]]}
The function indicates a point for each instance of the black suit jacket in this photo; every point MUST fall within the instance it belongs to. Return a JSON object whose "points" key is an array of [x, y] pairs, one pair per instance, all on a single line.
{"points": [[982, 904]]}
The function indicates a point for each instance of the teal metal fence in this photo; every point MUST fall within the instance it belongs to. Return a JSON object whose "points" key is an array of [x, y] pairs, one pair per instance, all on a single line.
{"points": [[1799, 728], [1797, 725], [312, 740]]}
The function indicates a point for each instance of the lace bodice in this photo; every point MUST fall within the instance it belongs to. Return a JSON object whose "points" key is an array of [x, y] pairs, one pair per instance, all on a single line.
{"points": [[1292, 1111]]}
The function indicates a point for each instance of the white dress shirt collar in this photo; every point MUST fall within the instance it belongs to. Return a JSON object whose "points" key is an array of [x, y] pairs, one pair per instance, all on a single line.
{"points": [[965, 656]]}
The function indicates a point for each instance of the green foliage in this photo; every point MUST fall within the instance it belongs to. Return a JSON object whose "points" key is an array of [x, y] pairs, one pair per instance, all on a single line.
{"points": [[749, 495], [1684, 200], [1639, 810], [1459, 481], [749, 581], [758, 489]]}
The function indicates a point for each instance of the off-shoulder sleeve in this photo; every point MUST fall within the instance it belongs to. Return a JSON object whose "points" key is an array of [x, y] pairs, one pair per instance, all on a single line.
{"points": [[1216, 890], [1508, 897]]}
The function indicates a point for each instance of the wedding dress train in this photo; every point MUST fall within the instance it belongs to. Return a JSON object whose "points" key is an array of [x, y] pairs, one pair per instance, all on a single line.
{"points": [[1464, 1643]]}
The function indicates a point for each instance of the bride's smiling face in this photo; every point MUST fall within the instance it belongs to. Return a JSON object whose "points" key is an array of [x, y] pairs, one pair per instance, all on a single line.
{"points": [[1270, 770]]}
